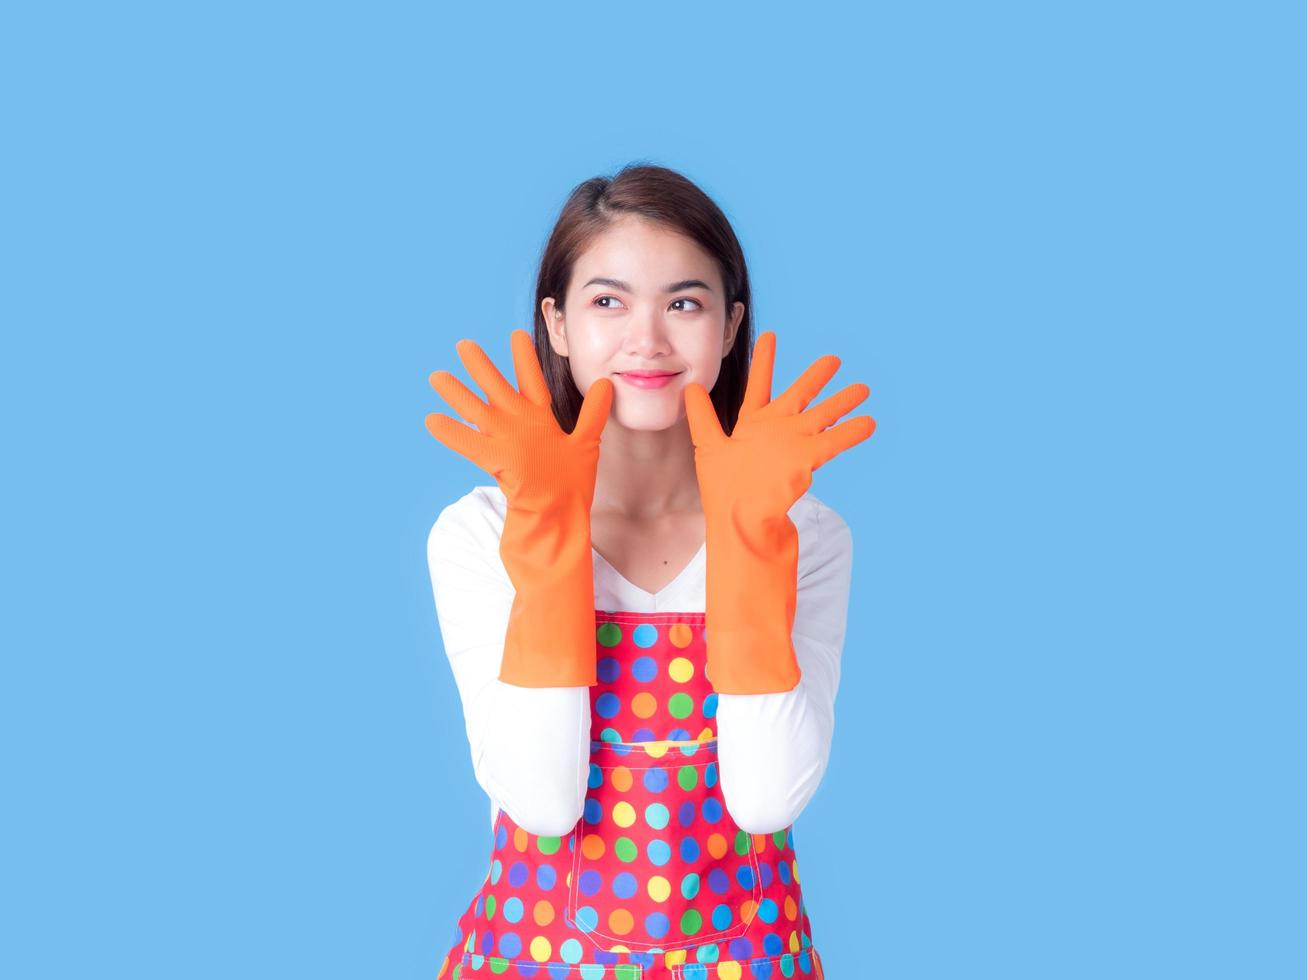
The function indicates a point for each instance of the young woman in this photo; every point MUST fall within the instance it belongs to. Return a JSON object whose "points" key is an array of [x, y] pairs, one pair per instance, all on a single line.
{"points": [[645, 613]]}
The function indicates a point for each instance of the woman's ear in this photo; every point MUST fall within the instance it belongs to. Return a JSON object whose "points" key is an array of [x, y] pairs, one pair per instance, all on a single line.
{"points": [[732, 327], [555, 326]]}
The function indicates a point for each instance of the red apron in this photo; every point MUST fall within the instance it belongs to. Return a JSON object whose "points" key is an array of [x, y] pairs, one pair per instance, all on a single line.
{"points": [[655, 881]]}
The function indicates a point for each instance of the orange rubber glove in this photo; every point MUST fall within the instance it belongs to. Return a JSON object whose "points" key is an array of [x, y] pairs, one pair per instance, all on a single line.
{"points": [[548, 479], [748, 482]]}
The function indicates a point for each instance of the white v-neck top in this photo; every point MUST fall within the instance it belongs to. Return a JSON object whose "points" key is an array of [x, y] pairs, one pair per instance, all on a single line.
{"points": [[531, 745]]}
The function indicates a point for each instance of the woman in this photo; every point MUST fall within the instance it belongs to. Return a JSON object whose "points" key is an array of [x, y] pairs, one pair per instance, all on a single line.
{"points": [[646, 739]]}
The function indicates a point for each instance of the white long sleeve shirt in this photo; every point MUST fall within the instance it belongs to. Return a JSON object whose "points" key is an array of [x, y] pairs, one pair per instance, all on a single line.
{"points": [[530, 745]]}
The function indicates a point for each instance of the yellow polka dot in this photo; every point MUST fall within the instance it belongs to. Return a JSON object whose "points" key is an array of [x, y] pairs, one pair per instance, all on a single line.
{"points": [[643, 705], [544, 912], [680, 635], [656, 750], [540, 949], [728, 970], [716, 845], [621, 921], [593, 846], [674, 957], [707, 735], [623, 814], [794, 942], [620, 779], [659, 888], [680, 670], [794, 866]]}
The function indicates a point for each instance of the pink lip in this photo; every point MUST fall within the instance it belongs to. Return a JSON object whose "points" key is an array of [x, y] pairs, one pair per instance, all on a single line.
{"points": [[647, 379]]}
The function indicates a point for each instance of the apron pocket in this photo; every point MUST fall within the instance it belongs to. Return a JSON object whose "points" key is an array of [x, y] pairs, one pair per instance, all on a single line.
{"points": [[657, 861], [804, 965], [475, 966]]}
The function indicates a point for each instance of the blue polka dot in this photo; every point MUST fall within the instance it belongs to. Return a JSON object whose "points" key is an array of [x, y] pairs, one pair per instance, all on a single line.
{"points": [[644, 669], [771, 944], [586, 918], [625, 885], [607, 705], [608, 670], [513, 909], [685, 814], [712, 809], [721, 916], [546, 877], [487, 943], [510, 945], [644, 636], [689, 850], [594, 810], [643, 735], [590, 882], [657, 924], [659, 851], [501, 837], [710, 775], [694, 971], [740, 949], [719, 881], [596, 776], [678, 735], [767, 910], [710, 705], [655, 779], [745, 876], [518, 874]]}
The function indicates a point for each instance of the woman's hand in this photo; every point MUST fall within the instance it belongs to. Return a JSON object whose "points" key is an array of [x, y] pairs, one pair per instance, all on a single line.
{"points": [[766, 464], [520, 442], [748, 481], [548, 477]]}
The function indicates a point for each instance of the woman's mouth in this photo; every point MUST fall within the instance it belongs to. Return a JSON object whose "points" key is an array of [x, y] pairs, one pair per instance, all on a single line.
{"points": [[647, 379]]}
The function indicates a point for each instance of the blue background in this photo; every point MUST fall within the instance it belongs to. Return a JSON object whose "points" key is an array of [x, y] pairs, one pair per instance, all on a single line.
{"points": [[1062, 243]]}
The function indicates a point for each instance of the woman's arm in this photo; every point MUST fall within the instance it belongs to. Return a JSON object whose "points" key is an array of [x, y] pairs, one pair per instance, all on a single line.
{"points": [[530, 745], [773, 748]]}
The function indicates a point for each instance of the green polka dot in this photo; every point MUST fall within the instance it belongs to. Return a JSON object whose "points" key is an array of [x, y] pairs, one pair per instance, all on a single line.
{"points": [[778, 839], [497, 964], [609, 635], [687, 777], [681, 705], [491, 904], [741, 842], [549, 845], [626, 971], [691, 922], [625, 849]]}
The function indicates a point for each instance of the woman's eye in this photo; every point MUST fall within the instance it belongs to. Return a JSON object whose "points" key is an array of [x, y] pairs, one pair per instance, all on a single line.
{"points": [[687, 299], [600, 299]]}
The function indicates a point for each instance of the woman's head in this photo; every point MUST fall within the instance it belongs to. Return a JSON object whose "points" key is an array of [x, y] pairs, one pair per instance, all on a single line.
{"points": [[643, 273]]}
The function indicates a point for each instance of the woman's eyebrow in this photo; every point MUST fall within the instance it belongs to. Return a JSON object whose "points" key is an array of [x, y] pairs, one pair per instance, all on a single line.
{"points": [[670, 288]]}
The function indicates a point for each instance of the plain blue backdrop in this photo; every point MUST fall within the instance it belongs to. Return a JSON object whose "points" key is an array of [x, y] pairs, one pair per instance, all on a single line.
{"points": [[1062, 243]]}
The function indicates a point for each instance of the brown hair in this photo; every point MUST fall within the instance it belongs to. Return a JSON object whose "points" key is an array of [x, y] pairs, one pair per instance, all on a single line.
{"points": [[661, 195]]}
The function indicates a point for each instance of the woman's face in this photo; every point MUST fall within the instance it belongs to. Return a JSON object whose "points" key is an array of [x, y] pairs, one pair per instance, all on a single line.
{"points": [[644, 298]]}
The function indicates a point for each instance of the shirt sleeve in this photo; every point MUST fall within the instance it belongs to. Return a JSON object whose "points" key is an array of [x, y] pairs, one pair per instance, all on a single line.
{"points": [[773, 748], [530, 745]]}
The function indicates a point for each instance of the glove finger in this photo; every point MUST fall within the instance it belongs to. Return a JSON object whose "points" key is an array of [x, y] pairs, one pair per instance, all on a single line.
{"points": [[836, 439], [467, 442], [461, 398], [483, 371], [841, 403], [757, 390], [809, 385], [593, 416], [705, 427], [530, 376]]}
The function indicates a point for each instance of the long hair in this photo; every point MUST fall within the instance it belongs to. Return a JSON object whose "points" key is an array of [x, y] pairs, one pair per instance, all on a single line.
{"points": [[661, 195]]}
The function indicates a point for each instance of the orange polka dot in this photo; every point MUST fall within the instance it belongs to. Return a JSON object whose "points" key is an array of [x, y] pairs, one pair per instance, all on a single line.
{"points": [[620, 779], [621, 921], [643, 705], [593, 846], [747, 909], [760, 842], [791, 910], [680, 635], [716, 845], [520, 839], [544, 913]]}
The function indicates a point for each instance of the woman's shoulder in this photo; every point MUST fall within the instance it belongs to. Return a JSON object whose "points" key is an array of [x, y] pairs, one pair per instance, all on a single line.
{"points": [[477, 516], [823, 533]]}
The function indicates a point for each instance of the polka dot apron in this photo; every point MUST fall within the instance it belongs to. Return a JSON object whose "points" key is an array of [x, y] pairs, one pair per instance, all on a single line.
{"points": [[655, 881]]}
